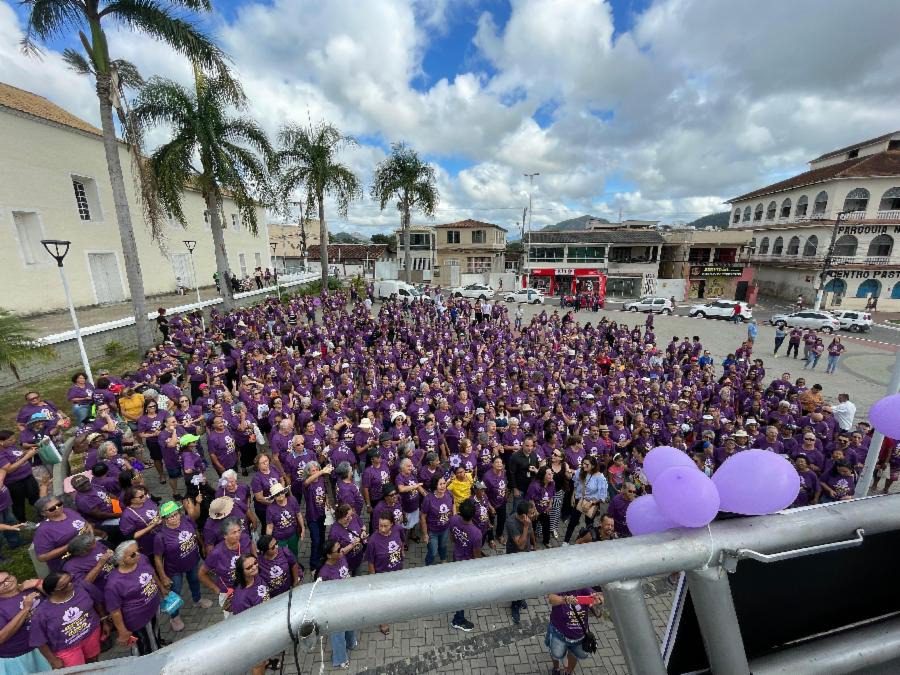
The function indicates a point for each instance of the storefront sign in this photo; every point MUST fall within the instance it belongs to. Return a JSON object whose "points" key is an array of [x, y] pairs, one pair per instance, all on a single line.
{"points": [[867, 229], [864, 274], [716, 271]]}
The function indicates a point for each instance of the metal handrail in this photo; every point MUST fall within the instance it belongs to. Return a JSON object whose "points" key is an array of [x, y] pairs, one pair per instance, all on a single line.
{"points": [[370, 600]]}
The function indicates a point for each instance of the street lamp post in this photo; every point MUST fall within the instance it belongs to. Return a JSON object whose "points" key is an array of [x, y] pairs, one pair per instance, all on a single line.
{"points": [[274, 245], [530, 177], [826, 262], [190, 244], [58, 249]]}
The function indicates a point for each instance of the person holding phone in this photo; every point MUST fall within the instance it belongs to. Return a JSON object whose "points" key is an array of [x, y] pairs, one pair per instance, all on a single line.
{"points": [[567, 626]]}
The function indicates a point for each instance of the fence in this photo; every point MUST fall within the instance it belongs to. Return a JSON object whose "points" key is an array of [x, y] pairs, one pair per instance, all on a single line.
{"points": [[705, 554]]}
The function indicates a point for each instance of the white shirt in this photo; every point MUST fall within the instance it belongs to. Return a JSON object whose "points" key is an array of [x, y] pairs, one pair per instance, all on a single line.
{"points": [[844, 414]]}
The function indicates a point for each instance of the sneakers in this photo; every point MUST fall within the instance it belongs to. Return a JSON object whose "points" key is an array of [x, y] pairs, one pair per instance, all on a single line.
{"points": [[203, 603], [523, 604], [344, 666], [514, 610], [465, 625], [177, 624]]}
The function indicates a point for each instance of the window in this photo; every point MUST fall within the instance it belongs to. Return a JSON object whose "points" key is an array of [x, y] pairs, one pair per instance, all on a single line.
{"points": [[890, 200], [758, 212], [725, 255], [764, 246], [501, 237], [869, 288], [235, 222], [770, 211], [586, 254], [737, 216], [478, 264], [81, 200], [802, 206], [206, 220], [242, 262], [882, 246], [853, 154], [856, 200], [29, 234], [811, 246], [478, 237], [820, 204], [258, 258], [836, 286], [420, 263], [452, 236], [699, 255], [547, 254], [172, 221], [746, 217], [620, 254], [778, 246], [87, 199], [793, 246], [846, 246], [785, 209]]}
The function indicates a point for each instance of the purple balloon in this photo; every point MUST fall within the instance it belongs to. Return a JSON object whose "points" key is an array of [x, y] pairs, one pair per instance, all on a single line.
{"points": [[662, 458], [885, 416], [685, 494], [644, 517], [756, 482]]}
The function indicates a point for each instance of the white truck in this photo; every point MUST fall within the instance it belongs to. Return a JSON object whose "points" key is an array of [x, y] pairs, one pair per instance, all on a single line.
{"points": [[404, 291]]}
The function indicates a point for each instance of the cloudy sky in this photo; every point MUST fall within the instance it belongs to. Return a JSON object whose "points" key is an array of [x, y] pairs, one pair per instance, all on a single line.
{"points": [[658, 109]]}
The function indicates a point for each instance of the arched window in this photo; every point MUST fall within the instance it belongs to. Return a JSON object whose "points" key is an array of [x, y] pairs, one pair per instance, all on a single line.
{"points": [[810, 247], [758, 212], [895, 291], [737, 216], [764, 246], [753, 245], [794, 246], [836, 286], [820, 204], [869, 288], [882, 245], [785, 209], [778, 246], [802, 206], [770, 211], [856, 200], [890, 201], [846, 246], [746, 214]]}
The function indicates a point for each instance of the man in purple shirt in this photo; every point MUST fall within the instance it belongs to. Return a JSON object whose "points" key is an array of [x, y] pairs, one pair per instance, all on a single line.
{"points": [[467, 542]]}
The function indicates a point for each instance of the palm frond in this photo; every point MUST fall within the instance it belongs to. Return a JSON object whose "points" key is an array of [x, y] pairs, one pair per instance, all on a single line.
{"points": [[48, 19], [128, 73], [17, 344], [77, 62]]}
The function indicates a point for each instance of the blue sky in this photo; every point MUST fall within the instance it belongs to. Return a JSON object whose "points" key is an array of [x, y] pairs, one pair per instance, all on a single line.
{"points": [[648, 107]]}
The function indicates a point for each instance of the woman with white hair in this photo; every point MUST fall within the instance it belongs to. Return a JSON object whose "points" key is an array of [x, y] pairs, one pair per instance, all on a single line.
{"points": [[132, 596], [314, 492]]}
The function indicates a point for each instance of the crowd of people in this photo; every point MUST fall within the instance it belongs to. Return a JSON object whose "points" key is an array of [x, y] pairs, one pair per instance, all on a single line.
{"points": [[353, 433]]}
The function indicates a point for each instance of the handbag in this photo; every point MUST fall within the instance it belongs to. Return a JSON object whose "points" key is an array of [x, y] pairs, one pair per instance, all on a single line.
{"points": [[47, 452], [587, 508], [588, 642]]}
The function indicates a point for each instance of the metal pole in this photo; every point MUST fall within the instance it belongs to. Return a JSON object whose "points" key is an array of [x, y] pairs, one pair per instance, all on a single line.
{"points": [[711, 595], [197, 288], [84, 358], [865, 478], [637, 637], [530, 210], [826, 262]]}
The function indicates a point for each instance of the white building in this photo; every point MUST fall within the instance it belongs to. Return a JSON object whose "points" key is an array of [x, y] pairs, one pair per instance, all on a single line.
{"points": [[798, 241], [56, 186]]}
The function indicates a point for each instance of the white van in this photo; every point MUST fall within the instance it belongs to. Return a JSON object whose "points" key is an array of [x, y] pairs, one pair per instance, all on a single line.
{"points": [[404, 291]]}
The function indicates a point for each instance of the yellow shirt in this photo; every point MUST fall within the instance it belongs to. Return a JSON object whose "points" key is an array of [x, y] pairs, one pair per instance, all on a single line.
{"points": [[132, 406], [461, 489]]}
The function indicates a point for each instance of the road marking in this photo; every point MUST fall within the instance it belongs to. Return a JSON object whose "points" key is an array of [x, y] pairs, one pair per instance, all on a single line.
{"points": [[889, 345]]}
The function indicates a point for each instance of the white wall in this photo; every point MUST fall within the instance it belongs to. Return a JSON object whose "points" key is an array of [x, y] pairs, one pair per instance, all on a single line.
{"points": [[666, 288]]}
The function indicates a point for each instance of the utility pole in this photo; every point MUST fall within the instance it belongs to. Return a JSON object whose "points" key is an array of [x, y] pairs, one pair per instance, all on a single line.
{"points": [[527, 247], [826, 261]]}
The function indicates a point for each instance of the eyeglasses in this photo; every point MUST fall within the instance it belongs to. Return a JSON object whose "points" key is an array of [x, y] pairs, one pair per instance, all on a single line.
{"points": [[252, 563], [54, 507], [809, 438], [133, 554]]}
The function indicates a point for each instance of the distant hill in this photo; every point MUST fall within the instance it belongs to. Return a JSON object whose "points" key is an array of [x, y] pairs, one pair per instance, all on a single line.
{"points": [[573, 224], [717, 220]]}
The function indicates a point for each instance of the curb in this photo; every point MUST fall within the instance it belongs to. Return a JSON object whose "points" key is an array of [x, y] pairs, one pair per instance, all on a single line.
{"points": [[888, 326]]}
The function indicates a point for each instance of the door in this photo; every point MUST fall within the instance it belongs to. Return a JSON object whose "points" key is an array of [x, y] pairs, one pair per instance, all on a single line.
{"points": [[740, 291], [181, 264], [105, 274]]}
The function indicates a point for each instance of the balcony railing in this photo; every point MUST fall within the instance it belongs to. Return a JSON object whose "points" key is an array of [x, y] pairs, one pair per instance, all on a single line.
{"points": [[888, 215], [855, 215], [835, 260]]}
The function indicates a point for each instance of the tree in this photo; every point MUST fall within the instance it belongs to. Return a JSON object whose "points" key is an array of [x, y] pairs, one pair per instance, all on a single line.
{"points": [[409, 180], [385, 240], [233, 153], [17, 344], [57, 18], [307, 160]]}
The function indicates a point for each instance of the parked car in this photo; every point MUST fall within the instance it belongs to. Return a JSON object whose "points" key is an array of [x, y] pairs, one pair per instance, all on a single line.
{"points": [[404, 291], [473, 292], [532, 296], [658, 305], [721, 309], [808, 318], [854, 320]]}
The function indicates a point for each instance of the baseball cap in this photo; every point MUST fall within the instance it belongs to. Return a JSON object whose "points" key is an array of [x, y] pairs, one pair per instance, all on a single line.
{"points": [[187, 439]]}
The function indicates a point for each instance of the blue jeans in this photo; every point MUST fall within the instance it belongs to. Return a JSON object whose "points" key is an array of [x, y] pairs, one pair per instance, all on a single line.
{"points": [[316, 542], [437, 545], [341, 643], [80, 412], [832, 362], [193, 583], [13, 539]]}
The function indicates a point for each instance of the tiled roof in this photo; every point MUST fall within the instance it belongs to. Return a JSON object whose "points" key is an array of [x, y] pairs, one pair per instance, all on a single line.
{"points": [[38, 106], [598, 237], [341, 252], [856, 146], [469, 223], [880, 164]]}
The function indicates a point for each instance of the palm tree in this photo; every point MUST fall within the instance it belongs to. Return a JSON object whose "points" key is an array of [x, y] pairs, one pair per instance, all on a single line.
{"points": [[405, 177], [233, 153], [87, 18], [17, 344], [307, 159]]}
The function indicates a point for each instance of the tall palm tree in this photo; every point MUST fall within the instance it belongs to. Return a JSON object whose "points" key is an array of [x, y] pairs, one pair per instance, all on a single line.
{"points": [[87, 18], [233, 153], [405, 177], [307, 159]]}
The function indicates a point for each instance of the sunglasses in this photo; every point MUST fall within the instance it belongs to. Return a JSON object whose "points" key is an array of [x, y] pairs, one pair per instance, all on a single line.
{"points": [[54, 507], [133, 554], [809, 438]]}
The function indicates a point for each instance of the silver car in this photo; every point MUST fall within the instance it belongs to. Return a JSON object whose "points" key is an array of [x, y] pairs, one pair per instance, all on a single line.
{"points": [[808, 318]]}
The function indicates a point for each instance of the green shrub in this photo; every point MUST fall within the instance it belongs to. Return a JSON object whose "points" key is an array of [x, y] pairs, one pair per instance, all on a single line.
{"points": [[113, 348]]}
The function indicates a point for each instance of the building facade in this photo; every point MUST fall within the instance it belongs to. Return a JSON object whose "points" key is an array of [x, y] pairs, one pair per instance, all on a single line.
{"points": [[56, 186], [471, 246], [830, 230], [292, 244], [422, 252], [709, 263]]}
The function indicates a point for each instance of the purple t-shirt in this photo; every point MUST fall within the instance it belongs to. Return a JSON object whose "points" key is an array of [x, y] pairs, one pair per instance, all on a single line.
{"points": [[222, 445], [348, 493], [221, 561], [78, 566], [410, 501], [51, 534], [137, 518], [374, 479], [542, 495], [496, 488], [385, 552], [314, 493], [277, 572], [134, 593], [250, 596], [262, 482], [437, 511], [339, 570], [283, 518], [347, 535], [564, 617], [466, 538], [178, 547], [12, 455], [17, 644], [66, 624]]}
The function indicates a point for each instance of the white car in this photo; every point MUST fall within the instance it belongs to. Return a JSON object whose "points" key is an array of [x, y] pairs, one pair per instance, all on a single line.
{"points": [[721, 309], [658, 305], [854, 320], [472, 291], [530, 295], [808, 318]]}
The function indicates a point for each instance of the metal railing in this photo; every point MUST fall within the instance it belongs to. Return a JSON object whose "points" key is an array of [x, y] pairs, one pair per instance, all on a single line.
{"points": [[705, 554]]}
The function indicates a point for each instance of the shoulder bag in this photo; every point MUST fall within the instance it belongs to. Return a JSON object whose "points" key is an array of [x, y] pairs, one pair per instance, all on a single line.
{"points": [[588, 642]]}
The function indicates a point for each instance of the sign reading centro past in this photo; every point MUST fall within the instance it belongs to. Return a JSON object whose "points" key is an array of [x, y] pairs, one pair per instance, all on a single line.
{"points": [[716, 270]]}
